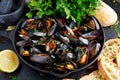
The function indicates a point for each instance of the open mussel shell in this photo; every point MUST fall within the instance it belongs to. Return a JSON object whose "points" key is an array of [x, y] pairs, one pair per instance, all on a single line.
{"points": [[60, 53]]}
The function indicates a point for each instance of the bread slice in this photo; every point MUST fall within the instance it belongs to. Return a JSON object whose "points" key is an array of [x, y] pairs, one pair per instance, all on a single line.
{"points": [[92, 76], [111, 49], [105, 14], [108, 69]]}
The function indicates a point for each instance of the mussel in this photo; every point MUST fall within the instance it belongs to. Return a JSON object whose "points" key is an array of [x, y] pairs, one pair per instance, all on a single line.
{"points": [[35, 50], [23, 43], [51, 45], [40, 34], [30, 24], [82, 55], [24, 34], [42, 59], [51, 25], [64, 67], [24, 52], [93, 48], [93, 35], [62, 38]]}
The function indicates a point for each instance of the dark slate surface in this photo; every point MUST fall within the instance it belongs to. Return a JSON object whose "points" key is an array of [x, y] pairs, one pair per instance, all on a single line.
{"points": [[26, 73]]}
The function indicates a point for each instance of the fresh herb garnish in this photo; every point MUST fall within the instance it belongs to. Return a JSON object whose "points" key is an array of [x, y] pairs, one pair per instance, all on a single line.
{"points": [[71, 9]]}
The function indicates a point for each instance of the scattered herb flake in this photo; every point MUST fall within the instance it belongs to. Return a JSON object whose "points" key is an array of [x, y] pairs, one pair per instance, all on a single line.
{"points": [[12, 77], [36, 30], [116, 26], [118, 35], [41, 74], [114, 1]]}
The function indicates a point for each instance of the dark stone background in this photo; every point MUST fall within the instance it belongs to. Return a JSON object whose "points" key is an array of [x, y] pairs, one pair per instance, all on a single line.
{"points": [[26, 73]]}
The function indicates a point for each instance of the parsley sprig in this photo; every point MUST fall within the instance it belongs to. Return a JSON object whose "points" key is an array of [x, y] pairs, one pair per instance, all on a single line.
{"points": [[71, 9]]}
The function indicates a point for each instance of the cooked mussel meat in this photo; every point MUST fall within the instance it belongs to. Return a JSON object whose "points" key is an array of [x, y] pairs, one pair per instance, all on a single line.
{"points": [[24, 52], [51, 45], [83, 59], [64, 67]]}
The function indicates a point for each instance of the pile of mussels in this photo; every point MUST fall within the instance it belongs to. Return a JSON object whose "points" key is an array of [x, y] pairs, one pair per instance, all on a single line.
{"points": [[58, 44]]}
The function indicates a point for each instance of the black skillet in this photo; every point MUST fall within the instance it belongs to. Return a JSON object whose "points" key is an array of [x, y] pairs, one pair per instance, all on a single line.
{"points": [[13, 36]]}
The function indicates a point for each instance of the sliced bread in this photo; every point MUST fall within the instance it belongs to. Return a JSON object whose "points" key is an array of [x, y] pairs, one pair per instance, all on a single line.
{"points": [[105, 15], [111, 49], [108, 69]]}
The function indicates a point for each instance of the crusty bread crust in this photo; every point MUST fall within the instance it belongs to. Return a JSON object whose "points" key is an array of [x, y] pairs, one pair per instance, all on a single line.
{"points": [[117, 60]]}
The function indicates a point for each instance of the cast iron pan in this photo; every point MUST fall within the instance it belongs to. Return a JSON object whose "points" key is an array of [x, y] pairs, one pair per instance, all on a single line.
{"points": [[13, 36]]}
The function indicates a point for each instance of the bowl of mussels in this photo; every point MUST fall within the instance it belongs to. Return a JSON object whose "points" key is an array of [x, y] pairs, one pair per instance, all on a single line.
{"points": [[58, 46]]}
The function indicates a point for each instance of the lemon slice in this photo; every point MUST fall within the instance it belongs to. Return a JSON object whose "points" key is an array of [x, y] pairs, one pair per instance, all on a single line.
{"points": [[9, 61]]}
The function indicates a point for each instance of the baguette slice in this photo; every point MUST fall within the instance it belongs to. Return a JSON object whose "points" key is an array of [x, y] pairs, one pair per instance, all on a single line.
{"points": [[111, 49], [108, 69], [105, 15], [92, 76]]}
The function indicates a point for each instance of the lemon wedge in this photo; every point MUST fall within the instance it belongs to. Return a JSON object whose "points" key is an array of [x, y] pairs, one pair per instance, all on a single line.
{"points": [[9, 61]]}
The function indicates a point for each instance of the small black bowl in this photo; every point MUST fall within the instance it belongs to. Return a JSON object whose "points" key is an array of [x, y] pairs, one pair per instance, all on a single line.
{"points": [[12, 17]]}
